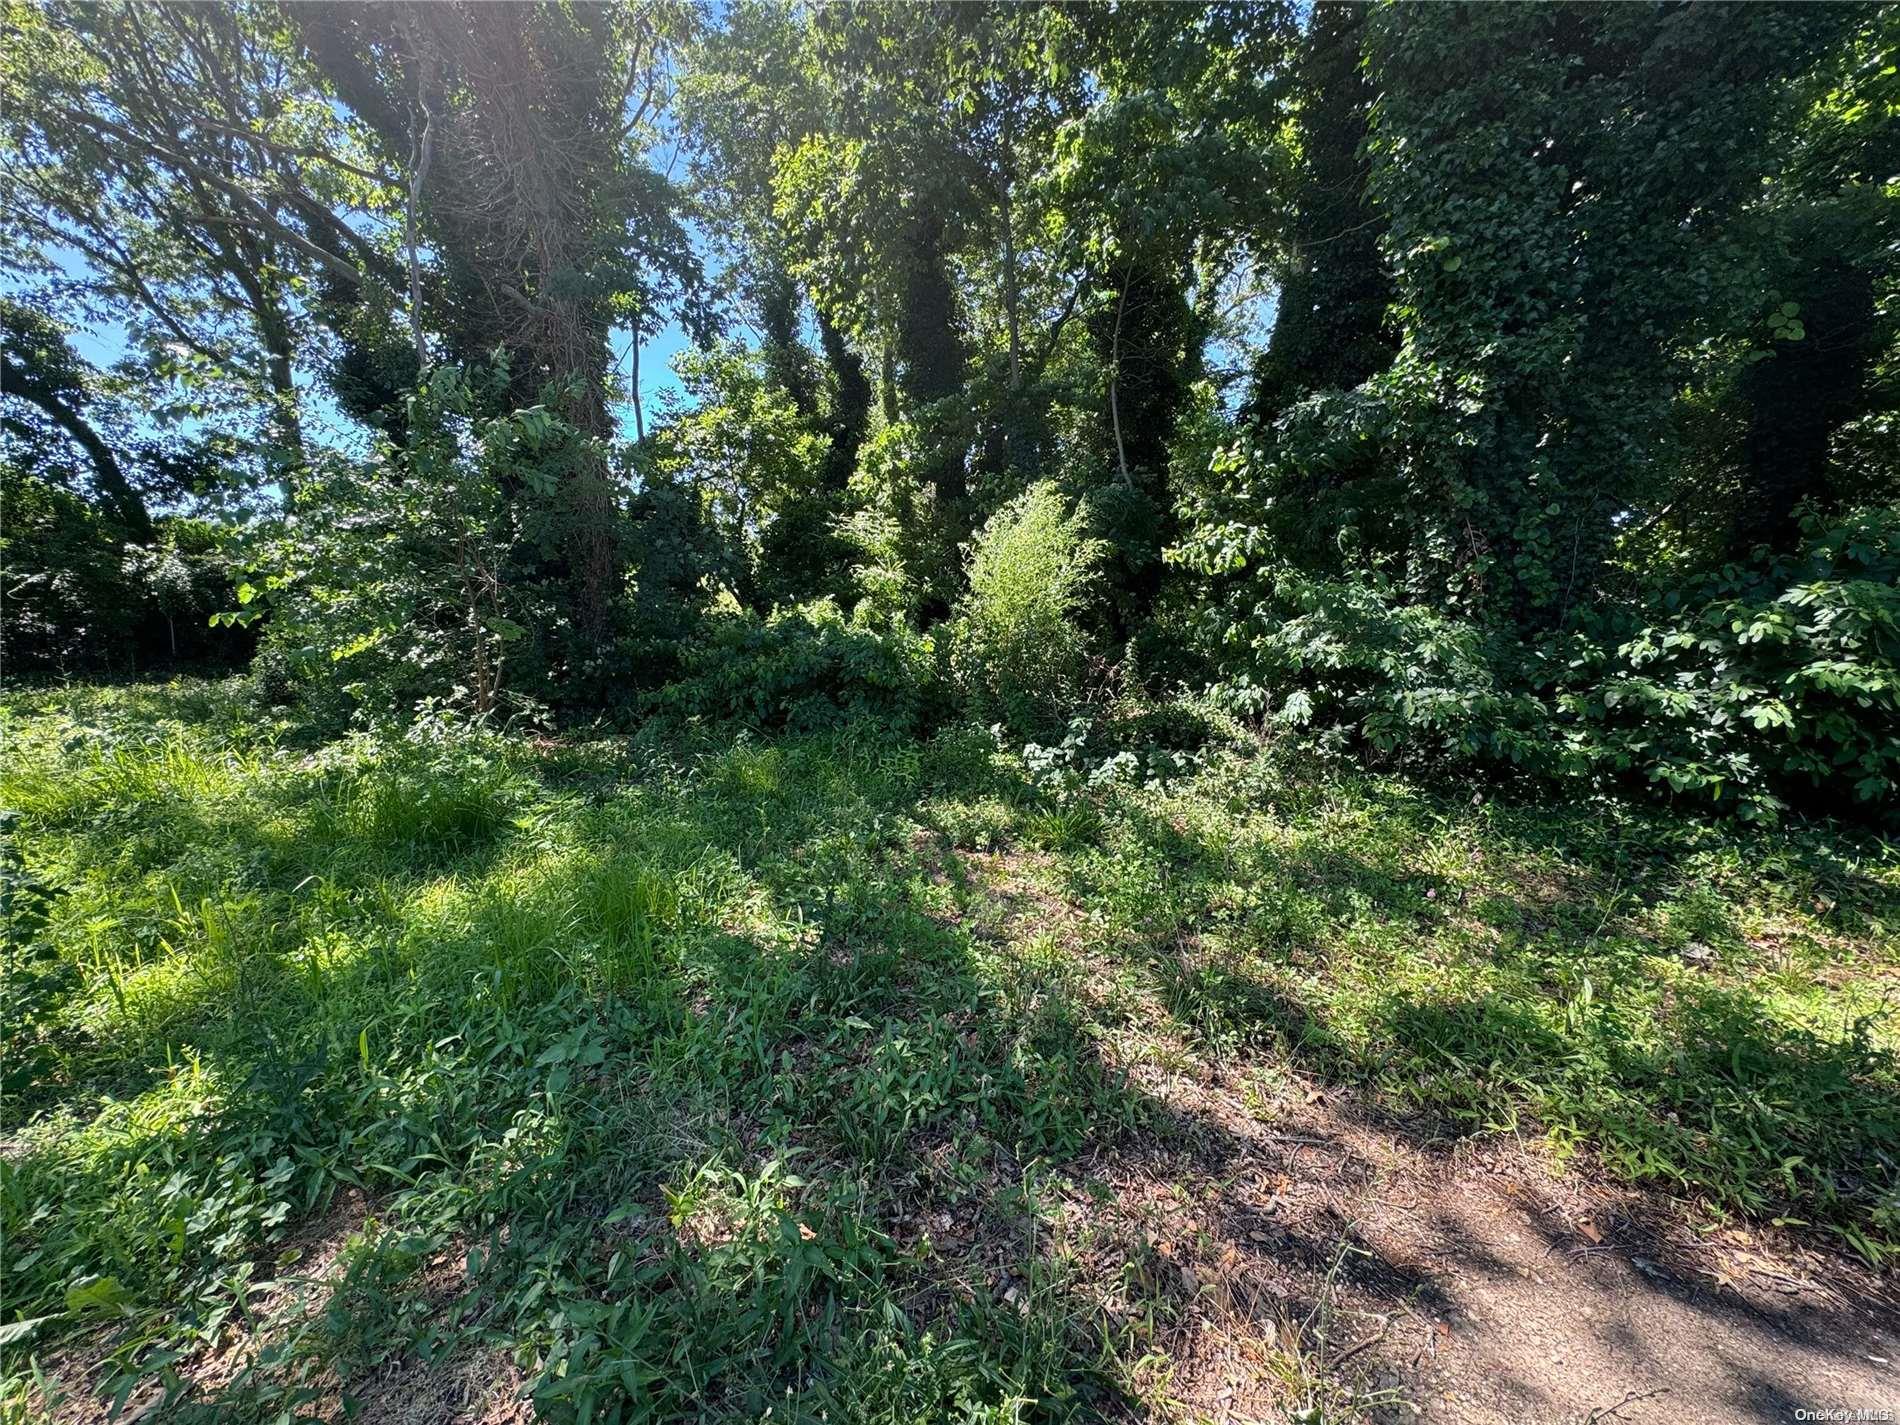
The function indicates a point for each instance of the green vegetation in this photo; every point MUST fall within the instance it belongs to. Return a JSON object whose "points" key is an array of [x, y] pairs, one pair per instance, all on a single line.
{"points": [[1190, 564], [664, 1064]]}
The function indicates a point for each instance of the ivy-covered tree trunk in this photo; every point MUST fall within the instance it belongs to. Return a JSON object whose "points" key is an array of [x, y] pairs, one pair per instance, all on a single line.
{"points": [[1329, 331], [776, 297], [930, 349], [1149, 343], [1547, 322], [1802, 393], [851, 397], [527, 205], [930, 360]]}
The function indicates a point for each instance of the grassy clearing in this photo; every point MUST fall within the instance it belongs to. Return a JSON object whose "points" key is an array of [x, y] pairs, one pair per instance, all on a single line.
{"points": [[703, 1074]]}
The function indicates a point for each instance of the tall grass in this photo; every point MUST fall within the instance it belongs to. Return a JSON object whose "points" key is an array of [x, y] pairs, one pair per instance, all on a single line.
{"points": [[643, 1060]]}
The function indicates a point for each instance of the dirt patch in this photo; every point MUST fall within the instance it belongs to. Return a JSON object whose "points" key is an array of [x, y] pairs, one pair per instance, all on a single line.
{"points": [[1309, 1252], [1324, 1254], [472, 1388]]}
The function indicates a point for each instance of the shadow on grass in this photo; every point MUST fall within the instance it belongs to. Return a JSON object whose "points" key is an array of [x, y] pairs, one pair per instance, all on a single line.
{"points": [[1370, 973], [656, 1143], [757, 1120]]}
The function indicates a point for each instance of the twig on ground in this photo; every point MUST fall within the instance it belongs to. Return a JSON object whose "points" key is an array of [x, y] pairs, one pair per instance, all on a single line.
{"points": [[1615, 1412]]}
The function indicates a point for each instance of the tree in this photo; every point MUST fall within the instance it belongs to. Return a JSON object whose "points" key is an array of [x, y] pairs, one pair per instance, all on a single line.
{"points": [[1176, 166], [1563, 188], [544, 217], [1828, 229], [178, 155], [39, 369], [1329, 330], [749, 91]]}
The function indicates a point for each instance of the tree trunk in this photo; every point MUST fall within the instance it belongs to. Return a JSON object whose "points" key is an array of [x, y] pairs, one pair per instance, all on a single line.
{"points": [[286, 425], [930, 346], [785, 355], [1114, 386], [1800, 396], [633, 388], [850, 404], [526, 145], [1329, 329]]}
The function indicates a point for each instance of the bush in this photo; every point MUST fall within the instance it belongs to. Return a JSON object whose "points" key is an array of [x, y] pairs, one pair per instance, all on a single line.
{"points": [[1017, 650], [1766, 681], [804, 668], [1770, 680], [412, 574], [68, 599], [78, 594]]}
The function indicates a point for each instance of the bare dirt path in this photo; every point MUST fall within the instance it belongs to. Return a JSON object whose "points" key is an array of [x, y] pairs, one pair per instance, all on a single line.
{"points": [[1474, 1286], [1324, 1254]]}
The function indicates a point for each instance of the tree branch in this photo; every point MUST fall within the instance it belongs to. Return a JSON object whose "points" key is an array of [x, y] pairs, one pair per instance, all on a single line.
{"points": [[118, 490], [251, 208]]}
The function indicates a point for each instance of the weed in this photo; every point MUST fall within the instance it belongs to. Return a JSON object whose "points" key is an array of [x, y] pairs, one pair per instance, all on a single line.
{"points": [[661, 1064]]}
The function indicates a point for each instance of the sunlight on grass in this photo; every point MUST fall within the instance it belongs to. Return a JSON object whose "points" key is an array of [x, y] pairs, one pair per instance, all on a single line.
{"points": [[712, 1050]]}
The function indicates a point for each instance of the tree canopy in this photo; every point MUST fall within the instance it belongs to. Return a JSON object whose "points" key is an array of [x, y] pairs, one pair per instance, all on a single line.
{"points": [[1427, 375]]}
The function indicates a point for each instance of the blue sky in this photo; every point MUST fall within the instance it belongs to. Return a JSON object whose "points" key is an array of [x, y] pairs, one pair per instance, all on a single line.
{"points": [[103, 342]]}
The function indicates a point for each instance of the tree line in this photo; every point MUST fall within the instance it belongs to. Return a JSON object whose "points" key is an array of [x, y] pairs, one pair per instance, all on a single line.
{"points": [[1484, 385]]}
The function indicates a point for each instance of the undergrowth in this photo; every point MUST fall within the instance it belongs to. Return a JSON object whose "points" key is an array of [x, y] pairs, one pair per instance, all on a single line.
{"points": [[657, 1064]]}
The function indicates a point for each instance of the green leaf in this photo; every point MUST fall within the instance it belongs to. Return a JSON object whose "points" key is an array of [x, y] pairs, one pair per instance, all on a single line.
{"points": [[16, 1331], [96, 1294]]}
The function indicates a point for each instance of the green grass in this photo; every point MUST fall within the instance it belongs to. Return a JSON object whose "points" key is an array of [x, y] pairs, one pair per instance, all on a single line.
{"points": [[652, 1062]]}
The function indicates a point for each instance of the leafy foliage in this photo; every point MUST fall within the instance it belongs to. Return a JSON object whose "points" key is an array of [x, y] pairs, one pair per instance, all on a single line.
{"points": [[1780, 677], [1017, 647], [399, 569], [803, 669], [1767, 682]]}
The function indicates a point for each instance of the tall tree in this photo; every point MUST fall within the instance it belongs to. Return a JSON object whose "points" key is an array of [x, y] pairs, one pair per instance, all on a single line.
{"points": [[168, 165], [1329, 330], [1176, 166], [1546, 324], [544, 217], [1829, 232]]}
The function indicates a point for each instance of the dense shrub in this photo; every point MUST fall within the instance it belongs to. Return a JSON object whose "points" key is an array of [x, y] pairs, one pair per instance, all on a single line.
{"points": [[67, 600], [804, 668], [1764, 682], [1018, 652], [77, 594], [1775, 679]]}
